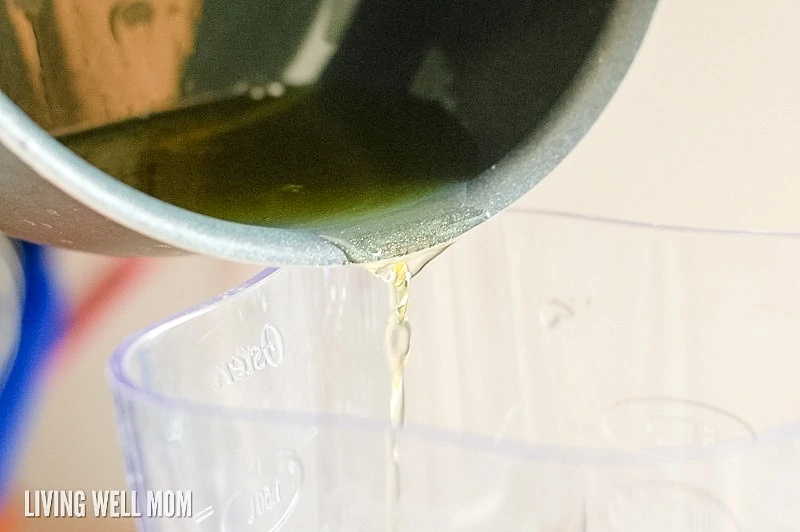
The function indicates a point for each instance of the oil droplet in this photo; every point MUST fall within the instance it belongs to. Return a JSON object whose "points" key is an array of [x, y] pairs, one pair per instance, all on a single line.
{"points": [[398, 340], [258, 93], [276, 89], [240, 87]]}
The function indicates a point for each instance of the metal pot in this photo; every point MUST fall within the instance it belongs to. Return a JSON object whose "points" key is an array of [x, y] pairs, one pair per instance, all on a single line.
{"points": [[528, 77]]}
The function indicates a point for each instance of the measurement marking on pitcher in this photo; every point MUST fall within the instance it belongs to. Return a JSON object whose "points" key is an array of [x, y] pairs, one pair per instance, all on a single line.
{"points": [[265, 500], [249, 359], [268, 498], [662, 505], [204, 514], [669, 425]]}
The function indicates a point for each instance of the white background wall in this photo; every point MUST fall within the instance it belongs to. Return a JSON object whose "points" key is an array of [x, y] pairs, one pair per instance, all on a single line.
{"points": [[704, 131]]}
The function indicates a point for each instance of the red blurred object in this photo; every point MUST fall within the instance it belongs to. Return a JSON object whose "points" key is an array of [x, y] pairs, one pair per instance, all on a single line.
{"points": [[103, 297], [10, 515]]}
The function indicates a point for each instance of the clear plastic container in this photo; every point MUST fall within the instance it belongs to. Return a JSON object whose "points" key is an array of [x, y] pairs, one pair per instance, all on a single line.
{"points": [[567, 374]]}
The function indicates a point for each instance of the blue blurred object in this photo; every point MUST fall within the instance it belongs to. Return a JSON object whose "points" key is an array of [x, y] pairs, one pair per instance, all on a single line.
{"points": [[42, 325]]}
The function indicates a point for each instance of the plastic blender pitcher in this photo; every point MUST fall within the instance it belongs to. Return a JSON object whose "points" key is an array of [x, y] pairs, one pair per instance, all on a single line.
{"points": [[567, 374]]}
